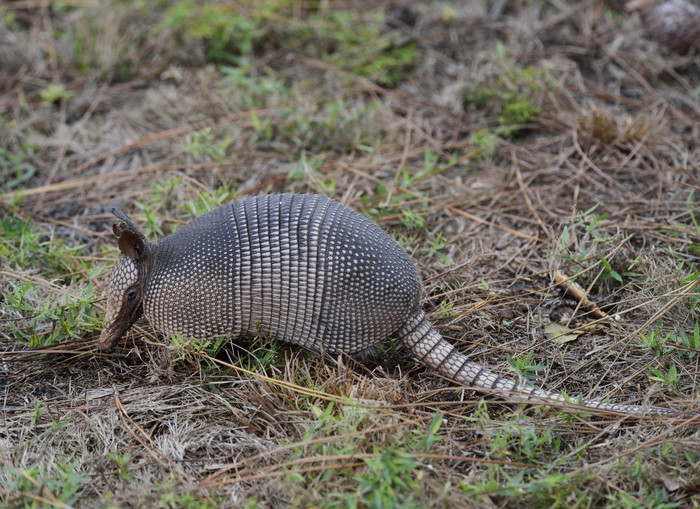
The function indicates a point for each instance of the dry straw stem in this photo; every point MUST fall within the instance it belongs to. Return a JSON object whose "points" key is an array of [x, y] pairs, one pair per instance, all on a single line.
{"points": [[436, 203], [276, 382], [144, 439], [142, 142], [574, 290], [348, 461]]}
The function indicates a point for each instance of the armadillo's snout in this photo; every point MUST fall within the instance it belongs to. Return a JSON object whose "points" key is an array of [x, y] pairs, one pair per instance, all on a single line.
{"points": [[117, 323], [107, 340], [124, 302]]}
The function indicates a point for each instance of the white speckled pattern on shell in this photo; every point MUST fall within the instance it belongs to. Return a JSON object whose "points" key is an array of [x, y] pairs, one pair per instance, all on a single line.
{"points": [[124, 275], [302, 267]]}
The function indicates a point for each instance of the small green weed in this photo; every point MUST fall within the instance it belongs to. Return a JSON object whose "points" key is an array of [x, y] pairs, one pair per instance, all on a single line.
{"points": [[332, 123], [656, 498], [61, 486], [161, 199], [609, 272], [412, 220], [174, 496], [393, 480], [264, 356], [684, 344], [582, 227], [8, 18], [428, 439], [579, 244], [163, 194], [487, 287], [25, 246], [55, 94], [691, 342], [208, 200], [513, 93], [446, 309], [435, 248], [306, 172], [486, 140], [226, 31], [152, 216], [382, 204], [523, 367], [256, 90], [655, 343], [204, 146], [15, 171], [45, 321], [432, 165], [361, 48], [36, 414], [553, 490], [263, 128], [515, 440], [670, 379], [190, 350], [122, 463]]}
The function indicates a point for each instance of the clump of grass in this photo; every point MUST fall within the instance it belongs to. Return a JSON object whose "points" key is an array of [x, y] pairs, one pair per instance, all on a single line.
{"points": [[189, 196], [390, 476], [59, 487], [16, 169], [227, 30], [43, 321], [346, 39], [359, 47], [44, 313], [599, 127], [586, 242], [25, 246], [509, 94], [256, 89], [105, 37]]}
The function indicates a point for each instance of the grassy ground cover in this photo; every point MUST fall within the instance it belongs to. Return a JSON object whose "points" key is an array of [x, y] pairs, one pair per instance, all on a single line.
{"points": [[513, 148]]}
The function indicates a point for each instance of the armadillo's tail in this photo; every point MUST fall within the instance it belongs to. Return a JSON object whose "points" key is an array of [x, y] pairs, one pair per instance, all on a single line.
{"points": [[427, 345]]}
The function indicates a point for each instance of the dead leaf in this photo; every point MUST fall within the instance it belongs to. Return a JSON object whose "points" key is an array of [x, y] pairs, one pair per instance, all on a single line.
{"points": [[559, 333], [671, 483]]}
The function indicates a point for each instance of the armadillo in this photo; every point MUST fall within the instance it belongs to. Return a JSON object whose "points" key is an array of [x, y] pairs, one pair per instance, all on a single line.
{"points": [[305, 269]]}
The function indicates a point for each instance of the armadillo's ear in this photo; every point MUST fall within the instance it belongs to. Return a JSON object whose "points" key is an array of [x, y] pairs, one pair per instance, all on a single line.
{"points": [[132, 242]]}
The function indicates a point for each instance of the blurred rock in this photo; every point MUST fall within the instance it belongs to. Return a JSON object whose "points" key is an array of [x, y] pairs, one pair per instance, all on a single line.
{"points": [[673, 23]]}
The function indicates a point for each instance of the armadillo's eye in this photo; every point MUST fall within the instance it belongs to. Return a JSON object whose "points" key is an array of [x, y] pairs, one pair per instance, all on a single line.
{"points": [[131, 295]]}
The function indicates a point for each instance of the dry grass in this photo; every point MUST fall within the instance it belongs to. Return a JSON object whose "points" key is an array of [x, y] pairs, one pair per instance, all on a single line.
{"points": [[535, 138]]}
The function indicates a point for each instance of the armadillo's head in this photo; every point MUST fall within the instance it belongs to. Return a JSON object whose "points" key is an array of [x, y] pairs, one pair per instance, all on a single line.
{"points": [[125, 294]]}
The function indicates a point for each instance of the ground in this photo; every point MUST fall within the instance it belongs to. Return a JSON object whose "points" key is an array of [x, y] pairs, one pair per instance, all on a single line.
{"points": [[513, 148]]}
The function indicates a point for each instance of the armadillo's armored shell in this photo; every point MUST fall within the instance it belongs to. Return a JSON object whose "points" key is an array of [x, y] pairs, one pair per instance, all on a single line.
{"points": [[303, 267]]}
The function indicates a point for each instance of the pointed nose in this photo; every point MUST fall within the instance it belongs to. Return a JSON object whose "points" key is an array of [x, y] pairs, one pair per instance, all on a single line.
{"points": [[107, 340]]}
